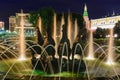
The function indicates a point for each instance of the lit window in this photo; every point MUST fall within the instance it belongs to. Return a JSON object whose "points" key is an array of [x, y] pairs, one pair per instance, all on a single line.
{"points": [[102, 23], [111, 21], [95, 23]]}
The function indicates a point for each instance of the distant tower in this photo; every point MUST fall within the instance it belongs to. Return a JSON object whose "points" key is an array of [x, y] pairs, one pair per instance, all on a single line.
{"points": [[86, 18]]}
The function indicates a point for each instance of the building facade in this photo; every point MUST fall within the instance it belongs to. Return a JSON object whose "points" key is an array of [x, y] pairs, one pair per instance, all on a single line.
{"points": [[2, 25], [14, 24], [108, 22]]}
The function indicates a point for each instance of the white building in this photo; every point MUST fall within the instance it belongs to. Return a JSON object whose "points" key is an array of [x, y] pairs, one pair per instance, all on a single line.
{"points": [[14, 24], [108, 22]]}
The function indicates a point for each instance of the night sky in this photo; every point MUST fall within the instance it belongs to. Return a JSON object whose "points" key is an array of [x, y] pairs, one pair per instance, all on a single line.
{"points": [[96, 8]]}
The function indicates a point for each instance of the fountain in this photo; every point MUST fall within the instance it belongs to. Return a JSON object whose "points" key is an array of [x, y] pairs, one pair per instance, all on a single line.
{"points": [[76, 29], [22, 37], [69, 28], [40, 24], [55, 28], [90, 47], [55, 36], [110, 49], [43, 64], [90, 31]]}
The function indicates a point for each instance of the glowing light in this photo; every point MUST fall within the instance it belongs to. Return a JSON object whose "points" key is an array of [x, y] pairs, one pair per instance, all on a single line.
{"points": [[115, 35], [110, 62], [90, 57], [22, 58], [106, 26], [37, 56], [77, 56], [65, 57], [93, 28], [107, 36]]}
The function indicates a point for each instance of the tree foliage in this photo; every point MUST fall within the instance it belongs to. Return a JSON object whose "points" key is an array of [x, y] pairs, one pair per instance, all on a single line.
{"points": [[101, 33], [117, 29], [34, 18], [47, 15]]}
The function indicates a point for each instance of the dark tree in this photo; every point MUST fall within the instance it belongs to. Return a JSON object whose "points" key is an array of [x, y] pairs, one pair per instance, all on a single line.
{"points": [[100, 33], [117, 29], [46, 15]]}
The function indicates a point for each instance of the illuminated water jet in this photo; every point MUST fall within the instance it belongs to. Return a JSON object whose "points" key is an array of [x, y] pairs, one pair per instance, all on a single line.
{"points": [[40, 24], [90, 47], [110, 62], [110, 48], [55, 32], [69, 28], [76, 29], [22, 36], [22, 58]]}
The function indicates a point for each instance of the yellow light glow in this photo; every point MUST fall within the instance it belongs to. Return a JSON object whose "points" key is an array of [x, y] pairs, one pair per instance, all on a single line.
{"points": [[110, 62], [22, 58], [90, 57], [37, 56]]}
